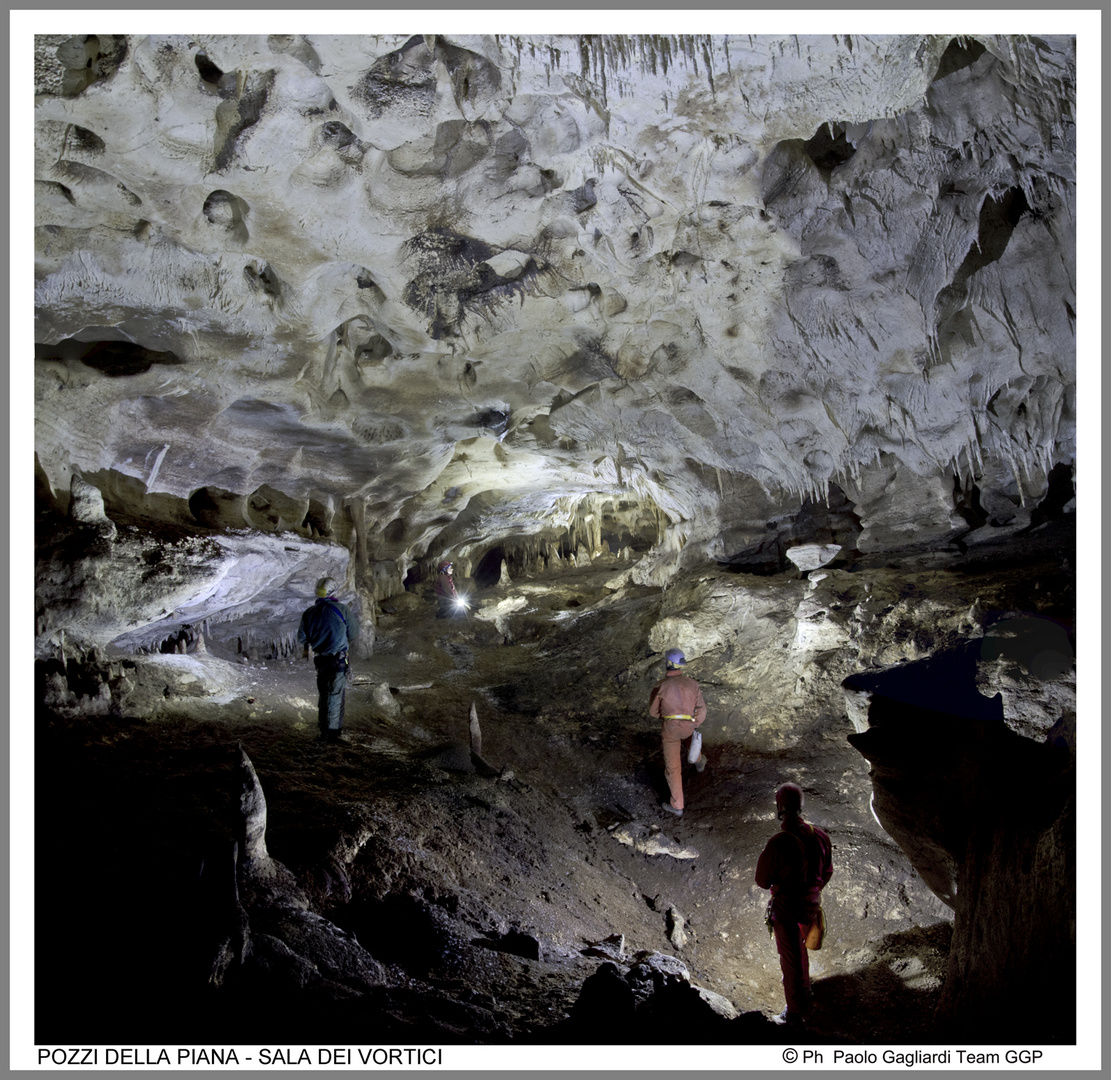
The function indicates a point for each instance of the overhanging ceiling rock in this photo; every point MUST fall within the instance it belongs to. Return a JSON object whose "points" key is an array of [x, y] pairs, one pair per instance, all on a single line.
{"points": [[349, 285]]}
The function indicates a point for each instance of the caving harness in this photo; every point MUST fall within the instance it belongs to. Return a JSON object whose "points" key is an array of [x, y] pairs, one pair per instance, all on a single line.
{"points": [[695, 751], [816, 931]]}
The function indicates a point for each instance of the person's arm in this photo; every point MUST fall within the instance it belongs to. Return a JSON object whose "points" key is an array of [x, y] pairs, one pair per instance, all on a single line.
{"points": [[303, 639], [765, 867], [699, 709]]}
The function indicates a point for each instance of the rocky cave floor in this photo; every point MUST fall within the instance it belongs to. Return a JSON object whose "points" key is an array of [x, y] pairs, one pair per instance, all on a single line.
{"points": [[480, 890]]}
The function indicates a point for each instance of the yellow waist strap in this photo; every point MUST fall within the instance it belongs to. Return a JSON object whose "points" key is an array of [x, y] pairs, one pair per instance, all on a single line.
{"points": [[679, 716]]}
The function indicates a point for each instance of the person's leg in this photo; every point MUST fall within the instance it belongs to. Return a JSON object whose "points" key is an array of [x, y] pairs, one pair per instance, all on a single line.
{"points": [[788, 943], [672, 735], [323, 685], [342, 694], [337, 684]]}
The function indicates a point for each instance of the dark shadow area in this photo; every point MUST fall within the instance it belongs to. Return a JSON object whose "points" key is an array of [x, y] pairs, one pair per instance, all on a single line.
{"points": [[829, 148], [998, 218], [1060, 492], [831, 521], [112, 358], [988, 819], [961, 52], [488, 572], [215, 508]]}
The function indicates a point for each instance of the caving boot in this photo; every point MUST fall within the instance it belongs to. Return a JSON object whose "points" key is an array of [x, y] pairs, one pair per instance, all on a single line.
{"points": [[787, 1017]]}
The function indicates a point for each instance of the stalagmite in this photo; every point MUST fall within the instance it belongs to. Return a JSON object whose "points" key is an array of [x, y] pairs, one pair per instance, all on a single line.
{"points": [[251, 818], [230, 925], [476, 732], [676, 928]]}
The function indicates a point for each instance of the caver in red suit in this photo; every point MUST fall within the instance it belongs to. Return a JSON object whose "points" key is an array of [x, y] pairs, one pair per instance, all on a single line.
{"points": [[446, 596], [795, 864], [677, 700]]}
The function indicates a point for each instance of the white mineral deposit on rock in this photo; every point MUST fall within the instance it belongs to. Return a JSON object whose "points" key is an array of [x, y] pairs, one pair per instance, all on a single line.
{"points": [[811, 556]]}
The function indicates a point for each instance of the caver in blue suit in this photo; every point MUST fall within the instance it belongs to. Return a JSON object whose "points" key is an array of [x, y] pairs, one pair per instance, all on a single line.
{"points": [[329, 628]]}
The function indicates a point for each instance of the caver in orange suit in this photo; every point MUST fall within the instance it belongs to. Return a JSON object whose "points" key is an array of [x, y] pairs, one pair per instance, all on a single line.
{"points": [[677, 700]]}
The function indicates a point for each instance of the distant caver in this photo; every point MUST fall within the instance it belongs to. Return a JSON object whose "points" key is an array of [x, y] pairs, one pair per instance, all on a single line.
{"points": [[329, 628], [677, 700], [449, 604]]}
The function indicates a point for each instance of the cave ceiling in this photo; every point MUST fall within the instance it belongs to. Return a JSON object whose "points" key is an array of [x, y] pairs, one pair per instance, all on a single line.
{"points": [[431, 294]]}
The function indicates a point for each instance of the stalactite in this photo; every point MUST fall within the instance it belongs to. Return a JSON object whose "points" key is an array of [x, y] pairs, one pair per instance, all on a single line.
{"points": [[356, 512]]}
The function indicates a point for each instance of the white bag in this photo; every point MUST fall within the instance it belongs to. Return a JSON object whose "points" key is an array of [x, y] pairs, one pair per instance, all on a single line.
{"points": [[695, 752]]}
